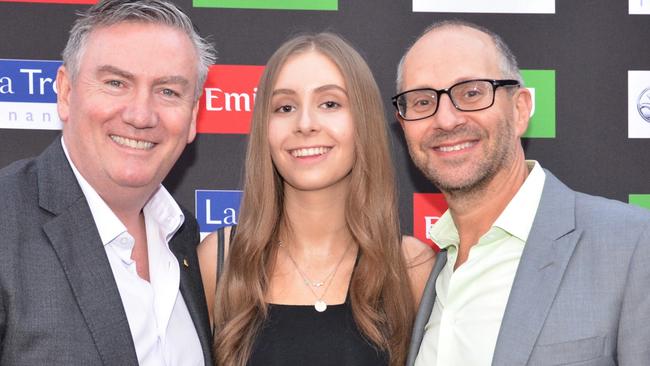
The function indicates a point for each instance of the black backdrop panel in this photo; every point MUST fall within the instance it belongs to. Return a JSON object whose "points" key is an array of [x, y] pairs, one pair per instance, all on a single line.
{"points": [[591, 45]]}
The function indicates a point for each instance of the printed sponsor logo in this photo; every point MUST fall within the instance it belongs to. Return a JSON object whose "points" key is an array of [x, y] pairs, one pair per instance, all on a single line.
{"points": [[226, 105], [638, 110], [216, 208], [427, 209], [269, 4], [639, 7], [541, 84], [479, 6], [643, 104], [52, 1], [28, 95], [641, 200]]}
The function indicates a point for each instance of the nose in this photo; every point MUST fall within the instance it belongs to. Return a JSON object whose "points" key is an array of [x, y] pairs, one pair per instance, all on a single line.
{"points": [[307, 122], [140, 111], [447, 117]]}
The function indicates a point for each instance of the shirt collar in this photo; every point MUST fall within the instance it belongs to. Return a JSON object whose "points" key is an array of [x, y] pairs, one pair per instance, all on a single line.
{"points": [[516, 219], [161, 208]]}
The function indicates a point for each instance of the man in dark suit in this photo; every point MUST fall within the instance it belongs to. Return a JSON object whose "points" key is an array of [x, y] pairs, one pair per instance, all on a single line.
{"points": [[530, 272], [98, 262]]}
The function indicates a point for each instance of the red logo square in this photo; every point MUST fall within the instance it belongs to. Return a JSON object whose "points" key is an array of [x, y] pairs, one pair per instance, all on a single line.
{"points": [[226, 105], [52, 1], [427, 209]]}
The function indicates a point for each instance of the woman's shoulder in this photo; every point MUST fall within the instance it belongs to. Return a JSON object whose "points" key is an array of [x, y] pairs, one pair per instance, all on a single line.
{"points": [[416, 252], [208, 249], [208, 252], [420, 258]]}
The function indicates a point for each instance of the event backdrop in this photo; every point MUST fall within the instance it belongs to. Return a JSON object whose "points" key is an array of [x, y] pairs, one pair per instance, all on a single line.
{"points": [[587, 63]]}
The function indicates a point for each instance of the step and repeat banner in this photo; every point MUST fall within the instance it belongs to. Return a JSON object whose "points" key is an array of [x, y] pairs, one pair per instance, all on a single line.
{"points": [[587, 63]]}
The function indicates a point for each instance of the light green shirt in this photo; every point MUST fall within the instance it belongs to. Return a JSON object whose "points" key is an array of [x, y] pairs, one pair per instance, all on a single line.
{"points": [[470, 301]]}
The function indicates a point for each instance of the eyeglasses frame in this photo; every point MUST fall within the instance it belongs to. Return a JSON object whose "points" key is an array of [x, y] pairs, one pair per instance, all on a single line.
{"points": [[496, 83]]}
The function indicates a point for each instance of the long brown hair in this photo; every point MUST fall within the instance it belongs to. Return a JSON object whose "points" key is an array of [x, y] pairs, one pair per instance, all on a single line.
{"points": [[380, 294]]}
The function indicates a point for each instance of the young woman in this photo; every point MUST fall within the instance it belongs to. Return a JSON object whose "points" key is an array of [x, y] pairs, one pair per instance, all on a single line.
{"points": [[317, 273]]}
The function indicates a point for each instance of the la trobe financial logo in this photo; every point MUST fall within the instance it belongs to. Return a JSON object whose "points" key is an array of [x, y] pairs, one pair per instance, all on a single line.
{"points": [[28, 95], [216, 209]]}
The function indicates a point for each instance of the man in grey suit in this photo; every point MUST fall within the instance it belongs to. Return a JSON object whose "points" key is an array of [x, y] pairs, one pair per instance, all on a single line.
{"points": [[98, 262], [530, 272]]}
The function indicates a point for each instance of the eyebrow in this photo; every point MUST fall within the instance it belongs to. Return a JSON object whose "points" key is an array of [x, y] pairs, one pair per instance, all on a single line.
{"points": [[320, 89], [109, 69], [173, 79], [456, 81]]}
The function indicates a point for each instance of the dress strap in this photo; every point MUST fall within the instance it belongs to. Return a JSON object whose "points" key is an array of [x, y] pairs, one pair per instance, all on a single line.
{"points": [[220, 251]]}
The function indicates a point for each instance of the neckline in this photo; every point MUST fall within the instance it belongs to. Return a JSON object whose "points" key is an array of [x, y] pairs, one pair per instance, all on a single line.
{"points": [[346, 301], [306, 306]]}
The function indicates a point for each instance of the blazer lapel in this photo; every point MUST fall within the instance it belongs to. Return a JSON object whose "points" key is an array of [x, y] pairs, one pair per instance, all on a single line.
{"points": [[424, 311], [547, 252], [183, 245], [74, 237]]}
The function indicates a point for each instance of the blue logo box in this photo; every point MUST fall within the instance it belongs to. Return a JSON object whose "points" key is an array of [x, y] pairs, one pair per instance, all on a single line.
{"points": [[216, 209], [28, 81]]}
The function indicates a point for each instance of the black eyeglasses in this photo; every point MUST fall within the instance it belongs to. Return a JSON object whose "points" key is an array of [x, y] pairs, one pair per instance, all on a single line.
{"points": [[466, 96]]}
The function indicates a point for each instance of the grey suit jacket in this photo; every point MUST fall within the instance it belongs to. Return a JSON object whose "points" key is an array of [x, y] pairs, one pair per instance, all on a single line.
{"points": [[59, 303], [581, 294]]}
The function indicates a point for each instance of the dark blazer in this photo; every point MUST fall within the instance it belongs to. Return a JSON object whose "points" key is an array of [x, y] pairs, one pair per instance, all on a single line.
{"points": [[59, 303], [581, 293]]}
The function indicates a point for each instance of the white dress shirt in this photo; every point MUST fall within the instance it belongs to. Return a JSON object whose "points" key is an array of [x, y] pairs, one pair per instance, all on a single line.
{"points": [[470, 301], [160, 323]]}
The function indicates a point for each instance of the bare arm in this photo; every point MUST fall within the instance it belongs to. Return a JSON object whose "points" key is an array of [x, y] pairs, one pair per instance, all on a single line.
{"points": [[207, 252], [420, 259]]}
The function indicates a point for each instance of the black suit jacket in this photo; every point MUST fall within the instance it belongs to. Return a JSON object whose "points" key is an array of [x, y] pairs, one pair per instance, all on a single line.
{"points": [[59, 303]]}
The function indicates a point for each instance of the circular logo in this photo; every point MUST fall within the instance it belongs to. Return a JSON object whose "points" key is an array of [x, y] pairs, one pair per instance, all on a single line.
{"points": [[643, 104]]}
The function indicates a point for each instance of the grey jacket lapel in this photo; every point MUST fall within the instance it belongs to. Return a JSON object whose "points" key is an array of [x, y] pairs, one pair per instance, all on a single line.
{"points": [[74, 237], [547, 252], [426, 306], [183, 245]]}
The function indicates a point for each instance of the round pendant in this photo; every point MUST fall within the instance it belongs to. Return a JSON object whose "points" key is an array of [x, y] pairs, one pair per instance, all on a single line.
{"points": [[320, 306]]}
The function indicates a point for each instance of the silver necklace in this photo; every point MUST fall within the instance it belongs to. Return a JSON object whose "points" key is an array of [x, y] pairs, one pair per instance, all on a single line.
{"points": [[320, 305]]}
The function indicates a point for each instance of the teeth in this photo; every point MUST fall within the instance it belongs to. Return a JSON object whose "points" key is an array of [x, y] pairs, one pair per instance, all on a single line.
{"points": [[312, 151], [135, 144], [458, 147]]}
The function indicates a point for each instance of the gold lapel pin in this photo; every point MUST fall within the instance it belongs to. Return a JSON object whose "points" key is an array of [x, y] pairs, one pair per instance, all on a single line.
{"points": [[186, 263]]}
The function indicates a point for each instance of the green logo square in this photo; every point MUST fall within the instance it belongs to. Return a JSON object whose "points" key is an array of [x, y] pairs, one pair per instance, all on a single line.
{"points": [[269, 4], [641, 200], [542, 86]]}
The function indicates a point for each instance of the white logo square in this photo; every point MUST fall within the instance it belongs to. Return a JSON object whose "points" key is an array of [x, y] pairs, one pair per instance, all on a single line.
{"points": [[483, 6], [639, 7], [638, 110]]}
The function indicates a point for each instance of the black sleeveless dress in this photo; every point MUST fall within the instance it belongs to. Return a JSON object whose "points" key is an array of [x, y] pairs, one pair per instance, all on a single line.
{"points": [[299, 335], [296, 335]]}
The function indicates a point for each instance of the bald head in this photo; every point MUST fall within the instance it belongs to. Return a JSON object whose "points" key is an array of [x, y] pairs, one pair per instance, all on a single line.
{"points": [[459, 41]]}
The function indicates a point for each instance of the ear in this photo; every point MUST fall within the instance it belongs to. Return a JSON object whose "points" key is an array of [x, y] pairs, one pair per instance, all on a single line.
{"points": [[192, 133], [63, 87], [523, 105], [399, 119]]}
